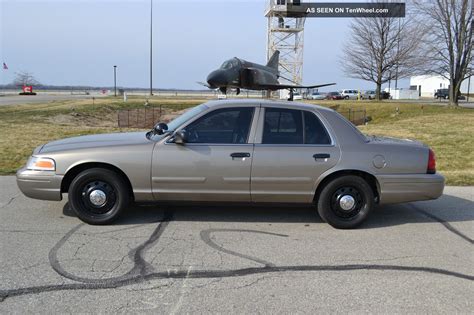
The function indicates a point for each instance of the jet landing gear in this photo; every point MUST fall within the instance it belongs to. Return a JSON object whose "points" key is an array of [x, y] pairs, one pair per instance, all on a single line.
{"points": [[290, 98]]}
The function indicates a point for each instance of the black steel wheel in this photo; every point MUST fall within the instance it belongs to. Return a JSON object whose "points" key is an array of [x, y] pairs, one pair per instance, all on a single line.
{"points": [[98, 196], [345, 202]]}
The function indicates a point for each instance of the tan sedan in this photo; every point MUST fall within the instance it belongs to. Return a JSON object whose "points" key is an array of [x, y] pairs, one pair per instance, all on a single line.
{"points": [[245, 151]]}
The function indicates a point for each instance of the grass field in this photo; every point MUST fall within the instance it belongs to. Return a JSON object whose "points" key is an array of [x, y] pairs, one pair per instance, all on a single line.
{"points": [[449, 131]]}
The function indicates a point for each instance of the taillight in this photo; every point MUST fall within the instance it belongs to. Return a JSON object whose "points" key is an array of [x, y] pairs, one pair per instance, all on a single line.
{"points": [[431, 169]]}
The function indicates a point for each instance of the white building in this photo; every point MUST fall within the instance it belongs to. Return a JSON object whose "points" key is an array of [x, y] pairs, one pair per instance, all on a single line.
{"points": [[426, 85], [403, 94]]}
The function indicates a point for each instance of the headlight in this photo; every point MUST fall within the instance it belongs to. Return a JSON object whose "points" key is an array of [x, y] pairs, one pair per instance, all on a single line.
{"points": [[41, 164]]}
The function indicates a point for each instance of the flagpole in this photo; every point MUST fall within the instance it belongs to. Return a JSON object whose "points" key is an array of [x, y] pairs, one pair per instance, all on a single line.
{"points": [[151, 47]]}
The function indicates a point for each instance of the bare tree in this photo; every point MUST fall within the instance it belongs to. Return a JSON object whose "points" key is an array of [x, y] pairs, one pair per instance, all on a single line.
{"points": [[448, 46], [24, 78], [381, 49]]}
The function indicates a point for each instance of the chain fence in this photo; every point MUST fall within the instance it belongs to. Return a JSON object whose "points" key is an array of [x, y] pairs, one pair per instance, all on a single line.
{"points": [[146, 118]]}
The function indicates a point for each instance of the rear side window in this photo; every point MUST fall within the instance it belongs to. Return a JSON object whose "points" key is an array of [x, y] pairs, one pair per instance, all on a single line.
{"points": [[282, 126], [314, 131], [289, 126]]}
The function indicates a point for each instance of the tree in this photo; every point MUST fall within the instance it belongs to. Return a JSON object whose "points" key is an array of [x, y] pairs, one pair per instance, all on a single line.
{"points": [[24, 78], [449, 42], [381, 49]]}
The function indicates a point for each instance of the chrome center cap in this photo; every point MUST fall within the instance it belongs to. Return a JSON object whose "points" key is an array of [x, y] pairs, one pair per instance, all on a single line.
{"points": [[347, 202], [98, 198]]}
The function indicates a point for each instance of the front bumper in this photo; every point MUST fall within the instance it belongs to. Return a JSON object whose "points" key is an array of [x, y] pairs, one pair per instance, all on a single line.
{"points": [[44, 185], [412, 187]]}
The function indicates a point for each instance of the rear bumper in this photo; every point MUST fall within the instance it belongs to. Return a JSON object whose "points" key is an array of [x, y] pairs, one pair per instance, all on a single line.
{"points": [[406, 188], [42, 185]]}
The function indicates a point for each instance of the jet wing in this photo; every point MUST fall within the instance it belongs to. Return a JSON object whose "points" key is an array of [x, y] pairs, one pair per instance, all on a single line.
{"points": [[287, 86], [204, 84]]}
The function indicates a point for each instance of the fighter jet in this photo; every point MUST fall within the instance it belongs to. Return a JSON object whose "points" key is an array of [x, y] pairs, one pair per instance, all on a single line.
{"points": [[239, 74]]}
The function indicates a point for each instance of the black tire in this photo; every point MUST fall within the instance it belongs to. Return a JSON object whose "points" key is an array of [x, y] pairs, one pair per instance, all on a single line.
{"points": [[100, 182], [346, 97], [329, 202]]}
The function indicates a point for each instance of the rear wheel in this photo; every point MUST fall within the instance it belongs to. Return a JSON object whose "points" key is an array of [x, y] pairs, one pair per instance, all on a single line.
{"points": [[345, 202], [98, 196]]}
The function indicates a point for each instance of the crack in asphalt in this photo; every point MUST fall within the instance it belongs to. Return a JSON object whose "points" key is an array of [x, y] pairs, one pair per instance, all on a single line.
{"points": [[6, 204], [142, 271], [446, 224]]}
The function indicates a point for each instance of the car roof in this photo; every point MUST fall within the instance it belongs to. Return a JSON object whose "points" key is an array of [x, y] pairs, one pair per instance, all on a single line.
{"points": [[250, 101]]}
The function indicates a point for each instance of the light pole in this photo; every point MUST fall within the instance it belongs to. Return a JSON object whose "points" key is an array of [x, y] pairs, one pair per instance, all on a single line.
{"points": [[398, 54], [469, 83], [389, 80], [115, 80], [151, 47]]}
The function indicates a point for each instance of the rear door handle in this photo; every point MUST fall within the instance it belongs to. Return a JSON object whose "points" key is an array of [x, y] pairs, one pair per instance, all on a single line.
{"points": [[322, 156], [240, 154]]}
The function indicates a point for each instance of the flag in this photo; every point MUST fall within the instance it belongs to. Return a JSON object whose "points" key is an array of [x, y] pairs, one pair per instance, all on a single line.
{"points": [[5, 67]]}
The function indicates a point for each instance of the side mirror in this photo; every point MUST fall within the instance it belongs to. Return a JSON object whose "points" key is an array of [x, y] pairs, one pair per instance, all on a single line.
{"points": [[160, 128], [180, 137]]}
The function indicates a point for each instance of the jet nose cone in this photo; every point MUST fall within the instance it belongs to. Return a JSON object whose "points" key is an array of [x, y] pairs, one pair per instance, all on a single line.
{"points": [[216, 79]]}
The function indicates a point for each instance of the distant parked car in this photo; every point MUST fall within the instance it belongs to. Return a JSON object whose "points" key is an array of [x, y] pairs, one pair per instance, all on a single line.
{"points": [[444, 93], [385, 95], [297, 96], [349, 94], [368, 95], [317, 96], [334, 96]]}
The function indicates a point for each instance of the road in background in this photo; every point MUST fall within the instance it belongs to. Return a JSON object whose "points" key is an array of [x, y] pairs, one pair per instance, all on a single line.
{"points": [[41, 98], [44, 97], [412, 258]]}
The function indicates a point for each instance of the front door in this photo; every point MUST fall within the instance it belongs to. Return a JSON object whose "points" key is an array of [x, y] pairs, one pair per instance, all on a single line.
{"points": [[213, 164], [294, 150]]}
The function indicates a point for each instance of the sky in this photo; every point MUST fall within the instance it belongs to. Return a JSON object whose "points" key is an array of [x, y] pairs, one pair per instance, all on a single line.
{"points": [[77, 42]]}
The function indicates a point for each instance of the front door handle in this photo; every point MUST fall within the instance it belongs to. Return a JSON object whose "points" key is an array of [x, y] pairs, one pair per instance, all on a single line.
{"points": [[322, 156], [240, 154]]}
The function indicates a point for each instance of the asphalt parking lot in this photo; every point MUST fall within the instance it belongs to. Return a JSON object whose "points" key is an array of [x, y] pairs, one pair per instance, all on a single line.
{"points": [[411, 258]]}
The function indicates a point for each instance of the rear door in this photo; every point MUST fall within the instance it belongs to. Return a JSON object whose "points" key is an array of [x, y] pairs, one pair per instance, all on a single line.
{"points": [[293, 148]]}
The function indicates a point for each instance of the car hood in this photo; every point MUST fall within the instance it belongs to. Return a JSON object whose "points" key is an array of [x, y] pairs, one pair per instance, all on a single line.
{"points": [[94, 141]]}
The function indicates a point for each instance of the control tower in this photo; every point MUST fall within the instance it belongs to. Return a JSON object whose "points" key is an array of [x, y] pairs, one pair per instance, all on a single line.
{"points": [[285, 33]]}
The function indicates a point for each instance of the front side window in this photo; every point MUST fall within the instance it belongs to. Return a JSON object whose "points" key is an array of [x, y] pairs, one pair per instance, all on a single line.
{"points": [[225, 126]]}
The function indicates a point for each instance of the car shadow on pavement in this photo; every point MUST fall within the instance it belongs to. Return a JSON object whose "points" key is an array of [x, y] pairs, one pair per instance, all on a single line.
{"points": [[447, 209]]}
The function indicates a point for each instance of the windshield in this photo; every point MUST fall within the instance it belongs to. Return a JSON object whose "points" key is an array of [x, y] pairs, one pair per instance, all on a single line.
{"points": [[178, 121], [227, 64]]}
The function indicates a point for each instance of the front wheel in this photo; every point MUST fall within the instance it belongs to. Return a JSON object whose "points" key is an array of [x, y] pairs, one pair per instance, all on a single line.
{"points": [[345, 202], [98, 196]]}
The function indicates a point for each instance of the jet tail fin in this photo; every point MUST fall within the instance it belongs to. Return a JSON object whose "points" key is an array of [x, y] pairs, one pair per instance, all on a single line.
{"points": [[273, 61]]}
